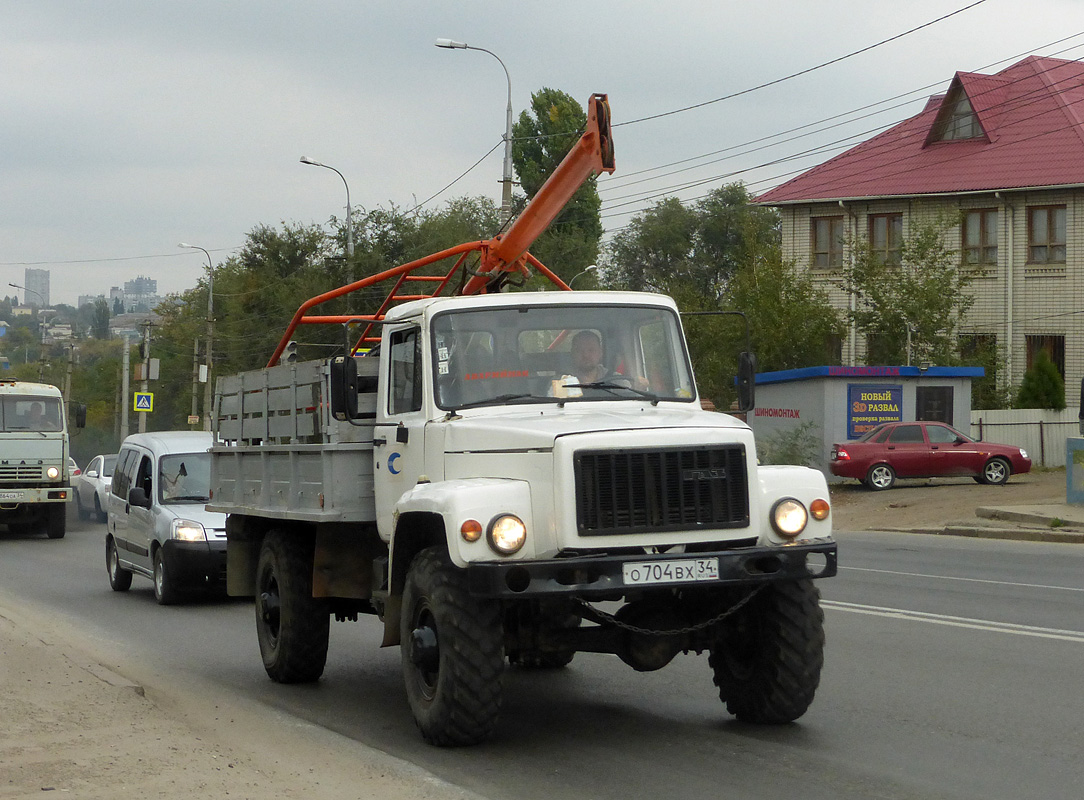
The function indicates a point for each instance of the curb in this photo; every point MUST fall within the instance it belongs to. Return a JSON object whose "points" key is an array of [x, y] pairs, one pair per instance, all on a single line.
{"points": [[988, 532]]}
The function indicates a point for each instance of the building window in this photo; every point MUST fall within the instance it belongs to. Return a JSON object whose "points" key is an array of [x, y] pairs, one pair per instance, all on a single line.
{"points": [[1046, 235], [958, 121], [886, 237], [827, 242], [1054, 347], [980, 236]]}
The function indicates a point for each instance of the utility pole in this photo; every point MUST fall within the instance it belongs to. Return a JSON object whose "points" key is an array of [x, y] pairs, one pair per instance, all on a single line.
{"points": [[195, 374], [146, 371], [125, 394], [68, 374]]}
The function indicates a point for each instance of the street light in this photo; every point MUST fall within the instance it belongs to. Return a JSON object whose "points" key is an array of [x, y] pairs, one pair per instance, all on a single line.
{"points": [[349, 222], [506, 194], [592, 268], [210, 331]]}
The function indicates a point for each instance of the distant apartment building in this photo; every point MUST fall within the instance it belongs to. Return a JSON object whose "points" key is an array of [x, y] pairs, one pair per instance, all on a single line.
{"points": [[36, 282]]}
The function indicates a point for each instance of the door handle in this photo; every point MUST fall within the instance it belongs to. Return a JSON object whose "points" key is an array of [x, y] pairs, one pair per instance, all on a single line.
{"points": [[380, 442]]}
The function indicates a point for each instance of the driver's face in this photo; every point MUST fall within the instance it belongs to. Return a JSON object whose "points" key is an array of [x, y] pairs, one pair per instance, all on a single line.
{"points": [[586, 353]]}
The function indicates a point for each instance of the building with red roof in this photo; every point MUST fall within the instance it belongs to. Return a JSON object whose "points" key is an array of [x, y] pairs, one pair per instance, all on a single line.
{"points": [[1004, 153]]}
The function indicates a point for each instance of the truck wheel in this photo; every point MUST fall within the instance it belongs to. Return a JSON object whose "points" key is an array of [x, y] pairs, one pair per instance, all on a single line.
{"points": [[165, 592], [453, 655], [56, 521], [120, 579], [292, 626], [767, 662]]}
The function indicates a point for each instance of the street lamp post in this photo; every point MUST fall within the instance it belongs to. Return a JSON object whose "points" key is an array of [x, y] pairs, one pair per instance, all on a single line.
{"points": [[349, 221], [210, 332], [506, 194], [591, 268], [41, 372]]}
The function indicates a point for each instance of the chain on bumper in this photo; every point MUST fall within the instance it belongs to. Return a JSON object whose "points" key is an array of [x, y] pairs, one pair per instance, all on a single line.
{"points": [[601, 617]]}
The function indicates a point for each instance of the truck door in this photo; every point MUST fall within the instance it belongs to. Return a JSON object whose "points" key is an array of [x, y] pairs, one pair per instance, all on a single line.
{"points": [[399, 435]]}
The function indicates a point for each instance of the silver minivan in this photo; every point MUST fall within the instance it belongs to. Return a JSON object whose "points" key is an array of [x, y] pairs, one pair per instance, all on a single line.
{"points": [[156, 524]]}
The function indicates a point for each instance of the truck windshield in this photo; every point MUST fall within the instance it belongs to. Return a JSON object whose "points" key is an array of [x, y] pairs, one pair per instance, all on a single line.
{"points": [[30, 413], [185, 478], [535, 354]]}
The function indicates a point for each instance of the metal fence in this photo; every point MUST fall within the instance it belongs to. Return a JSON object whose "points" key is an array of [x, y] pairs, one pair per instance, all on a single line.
{"points": [[1039, 431]]}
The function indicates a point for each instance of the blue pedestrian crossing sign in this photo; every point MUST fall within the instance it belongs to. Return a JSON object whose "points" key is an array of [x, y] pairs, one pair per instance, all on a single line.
{"points": [[144, 401]]}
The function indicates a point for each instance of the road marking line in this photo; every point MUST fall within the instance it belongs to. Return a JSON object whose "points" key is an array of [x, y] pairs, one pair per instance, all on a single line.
{"points": [[968, 580], [958, 622]]}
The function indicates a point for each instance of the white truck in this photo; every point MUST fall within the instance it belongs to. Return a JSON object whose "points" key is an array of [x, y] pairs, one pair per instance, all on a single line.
{"points": [[35, 481], [511, 478]]}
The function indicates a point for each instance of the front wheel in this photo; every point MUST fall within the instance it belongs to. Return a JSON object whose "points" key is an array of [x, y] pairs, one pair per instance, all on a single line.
{"points": [[292, 626], [996, 471], [767, 660], [453, 653], [120, 579], [165, 592], [880, 476], [56, 521]]}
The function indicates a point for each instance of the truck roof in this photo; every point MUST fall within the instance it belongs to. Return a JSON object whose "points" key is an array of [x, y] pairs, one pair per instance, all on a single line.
{"points": [[503, 300], [29, 387]]}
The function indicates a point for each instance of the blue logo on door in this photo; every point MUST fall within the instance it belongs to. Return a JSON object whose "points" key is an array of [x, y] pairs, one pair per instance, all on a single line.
{"points": [[394, 470]]}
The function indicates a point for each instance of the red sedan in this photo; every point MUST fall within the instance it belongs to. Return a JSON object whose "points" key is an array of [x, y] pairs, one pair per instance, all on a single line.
{"points": [[924, 450]]}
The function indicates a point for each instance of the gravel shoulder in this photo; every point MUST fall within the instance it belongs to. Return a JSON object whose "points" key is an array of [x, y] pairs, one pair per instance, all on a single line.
{"points": [[937, 502]]}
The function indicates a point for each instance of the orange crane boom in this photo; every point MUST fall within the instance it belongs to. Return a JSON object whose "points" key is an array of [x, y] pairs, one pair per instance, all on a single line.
{"points": [[505, 253]]}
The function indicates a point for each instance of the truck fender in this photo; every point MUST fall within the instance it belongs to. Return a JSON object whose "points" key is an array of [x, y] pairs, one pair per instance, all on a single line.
{"points": [[803, 484], [432, 513]]}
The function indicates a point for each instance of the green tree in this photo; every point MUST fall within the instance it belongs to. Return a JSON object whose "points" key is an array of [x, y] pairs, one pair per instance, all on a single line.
{"points": [[928, 293], [101, 319], [542, 138], [1042, 386]]}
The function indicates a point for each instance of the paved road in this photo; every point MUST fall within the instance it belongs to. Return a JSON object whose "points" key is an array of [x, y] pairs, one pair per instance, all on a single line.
{"points": [[952, 672]]}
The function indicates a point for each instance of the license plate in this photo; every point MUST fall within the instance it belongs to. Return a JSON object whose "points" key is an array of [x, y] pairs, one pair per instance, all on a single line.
{"points": [[652, 572], [11, 495]]}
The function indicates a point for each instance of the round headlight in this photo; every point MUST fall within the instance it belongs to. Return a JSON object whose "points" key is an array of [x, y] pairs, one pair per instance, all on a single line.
{"points": [[789, 517], [52, 473], [506, 534]]}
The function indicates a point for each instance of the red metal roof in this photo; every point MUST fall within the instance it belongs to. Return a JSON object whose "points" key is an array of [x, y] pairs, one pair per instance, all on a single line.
{"points": [[1032, 114]]}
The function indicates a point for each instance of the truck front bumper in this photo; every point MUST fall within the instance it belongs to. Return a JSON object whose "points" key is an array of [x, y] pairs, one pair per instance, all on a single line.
{"points": [[605, 576]]}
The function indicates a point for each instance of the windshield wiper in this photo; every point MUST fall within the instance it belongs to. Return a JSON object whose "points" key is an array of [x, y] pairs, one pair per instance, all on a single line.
{"points": [[609, 386], [502, 398]]}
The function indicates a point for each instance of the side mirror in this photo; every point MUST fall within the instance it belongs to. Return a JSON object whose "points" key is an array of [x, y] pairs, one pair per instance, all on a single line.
{"points": [[344, 388], [79, 413], [137, 497], [747, 371]]}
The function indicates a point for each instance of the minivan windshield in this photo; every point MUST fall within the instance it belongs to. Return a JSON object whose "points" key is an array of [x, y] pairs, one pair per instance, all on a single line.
{"points": [[546, 354], [184, 478]]}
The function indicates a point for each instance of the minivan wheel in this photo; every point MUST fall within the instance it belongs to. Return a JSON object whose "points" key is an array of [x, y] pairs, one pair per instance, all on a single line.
{"points": [[120, 579], [164, 590]]}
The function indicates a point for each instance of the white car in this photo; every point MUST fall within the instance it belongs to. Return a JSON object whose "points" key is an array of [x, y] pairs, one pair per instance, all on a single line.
{"points": [[91, 487]]}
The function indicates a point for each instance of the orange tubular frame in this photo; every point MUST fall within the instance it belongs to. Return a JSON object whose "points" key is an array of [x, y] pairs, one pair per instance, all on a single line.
{"points": [[506, 253]]}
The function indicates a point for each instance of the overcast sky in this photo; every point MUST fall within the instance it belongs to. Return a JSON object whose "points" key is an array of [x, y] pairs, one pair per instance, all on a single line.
{"points": [[127, 127]]}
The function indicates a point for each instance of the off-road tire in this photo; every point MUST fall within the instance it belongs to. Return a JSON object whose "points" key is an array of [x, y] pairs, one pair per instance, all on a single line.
{"points": [[459, 702], [767, 662], [292, 626], [120, 579], [880, 477], [996, 471], [165, 588], [56, 520]]}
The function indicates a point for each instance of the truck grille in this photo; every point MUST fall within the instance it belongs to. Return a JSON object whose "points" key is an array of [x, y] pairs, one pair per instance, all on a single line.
{"points": [[633, 491], [20, 472]]}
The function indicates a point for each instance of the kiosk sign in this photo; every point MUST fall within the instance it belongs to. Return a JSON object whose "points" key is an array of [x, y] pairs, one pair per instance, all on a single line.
{"points": [[868, 405]]}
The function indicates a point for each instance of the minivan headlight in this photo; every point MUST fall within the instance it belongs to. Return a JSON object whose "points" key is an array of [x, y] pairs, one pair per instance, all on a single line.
{"points": [[187, 530]]}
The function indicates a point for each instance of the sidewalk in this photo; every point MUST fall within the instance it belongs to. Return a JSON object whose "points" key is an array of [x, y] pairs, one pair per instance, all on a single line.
{"points": [[1037, 522], [72, 724]]}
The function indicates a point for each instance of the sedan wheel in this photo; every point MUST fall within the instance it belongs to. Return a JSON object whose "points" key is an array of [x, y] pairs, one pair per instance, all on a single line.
{"points": [[996, 471], [880, 476]]}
